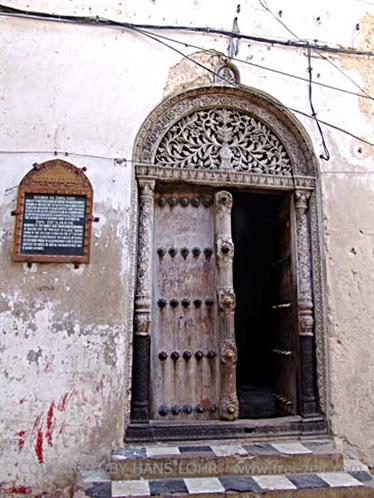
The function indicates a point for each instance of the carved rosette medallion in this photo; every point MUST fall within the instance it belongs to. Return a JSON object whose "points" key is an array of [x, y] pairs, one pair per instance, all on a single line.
{"points": [[226, 299]]}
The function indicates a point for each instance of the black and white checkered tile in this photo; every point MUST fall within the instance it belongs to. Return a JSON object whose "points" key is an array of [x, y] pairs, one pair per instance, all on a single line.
{"points": [[264, 483], [292, 448]]}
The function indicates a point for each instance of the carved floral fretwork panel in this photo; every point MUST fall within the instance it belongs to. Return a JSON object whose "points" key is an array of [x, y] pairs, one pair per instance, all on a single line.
{"points": [[223, 139]]}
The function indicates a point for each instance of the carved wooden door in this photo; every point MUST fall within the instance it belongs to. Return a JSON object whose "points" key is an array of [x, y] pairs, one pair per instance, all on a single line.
{"points": [[193, 354], [285, 351]]}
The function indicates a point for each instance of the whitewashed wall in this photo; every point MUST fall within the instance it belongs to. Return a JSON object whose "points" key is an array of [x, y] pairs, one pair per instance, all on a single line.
{"points": [[64, 346]]}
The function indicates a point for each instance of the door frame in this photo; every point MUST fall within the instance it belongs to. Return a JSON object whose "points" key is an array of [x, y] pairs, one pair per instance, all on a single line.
{"points": [[301, 179]]}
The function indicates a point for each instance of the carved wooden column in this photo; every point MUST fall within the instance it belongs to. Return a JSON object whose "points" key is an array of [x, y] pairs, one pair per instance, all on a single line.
{"points": [[143, 304], [308, 401], [228, 404]]}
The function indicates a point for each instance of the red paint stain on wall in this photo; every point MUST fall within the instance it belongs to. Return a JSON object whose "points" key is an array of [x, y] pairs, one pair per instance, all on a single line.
{"points": [[65, 399], [20, 490], [39, 445], [50, 423], [21, 435]]}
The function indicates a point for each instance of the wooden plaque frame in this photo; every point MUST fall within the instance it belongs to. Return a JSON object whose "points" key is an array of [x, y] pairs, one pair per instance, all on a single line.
{"points": [[55, 177]]}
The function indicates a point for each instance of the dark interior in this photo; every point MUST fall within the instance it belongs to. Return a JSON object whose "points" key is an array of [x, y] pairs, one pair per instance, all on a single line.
{"points": [[255, 248]]}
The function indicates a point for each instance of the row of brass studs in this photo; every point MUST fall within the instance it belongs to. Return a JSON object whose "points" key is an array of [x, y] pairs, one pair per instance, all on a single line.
{"points": [[187, 355], [209, 302], [195, 251], [185, 201], [186, 409]]}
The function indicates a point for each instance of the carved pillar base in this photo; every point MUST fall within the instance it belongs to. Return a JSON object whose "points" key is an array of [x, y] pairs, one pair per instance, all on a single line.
{"points": [[140, 378]]}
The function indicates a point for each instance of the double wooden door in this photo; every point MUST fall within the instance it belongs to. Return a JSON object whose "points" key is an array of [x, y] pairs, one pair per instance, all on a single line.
{"points": [[193, 351]]}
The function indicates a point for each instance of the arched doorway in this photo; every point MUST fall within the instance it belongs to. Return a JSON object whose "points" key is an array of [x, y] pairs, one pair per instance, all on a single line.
{"points": [[228, 303]]}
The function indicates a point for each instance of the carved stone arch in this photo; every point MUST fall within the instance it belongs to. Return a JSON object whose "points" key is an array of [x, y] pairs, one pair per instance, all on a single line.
{"points": [[280, 141], [254, 104]]}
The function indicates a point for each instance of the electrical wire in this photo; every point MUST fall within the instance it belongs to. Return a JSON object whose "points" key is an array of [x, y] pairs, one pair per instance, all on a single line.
{"points": [[259, 66], [11, 11], [315, 49], [326, 153], [134, 28], [297, 111]]}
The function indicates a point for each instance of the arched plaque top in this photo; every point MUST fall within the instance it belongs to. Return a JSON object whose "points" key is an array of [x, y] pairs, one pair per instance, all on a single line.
{"points": [[56, 173], [223, 135], [53, 215]]}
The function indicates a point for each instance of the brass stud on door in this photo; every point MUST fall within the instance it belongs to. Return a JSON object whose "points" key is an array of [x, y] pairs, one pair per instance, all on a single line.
{"points": [[185, 252], [161, 252], [174, 355], [213, 408], [163, 411], [197, 303], [173, 252], [187, 355], [211, 354], [199, 355], [184, 202], [162, 355], [208, 253], [199, 408], [173, 201], [185, 302], [187, 409], [175, 410], [162, 303], [174, 303], [195, 202], [162, 202], [209, 302], [196, 252]]}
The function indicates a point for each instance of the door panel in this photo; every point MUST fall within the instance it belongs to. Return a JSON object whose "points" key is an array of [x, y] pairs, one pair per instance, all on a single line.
{"points": [[184, 351], [284, 298]]}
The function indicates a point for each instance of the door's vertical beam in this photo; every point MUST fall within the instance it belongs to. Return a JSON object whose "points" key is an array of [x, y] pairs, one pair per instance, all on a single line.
{"points": [[228, 405], [143, 304], [305, 311]]}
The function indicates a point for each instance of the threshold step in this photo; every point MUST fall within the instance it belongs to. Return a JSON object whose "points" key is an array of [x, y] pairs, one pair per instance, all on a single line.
{"points": [[312, 485], [212, 460]]}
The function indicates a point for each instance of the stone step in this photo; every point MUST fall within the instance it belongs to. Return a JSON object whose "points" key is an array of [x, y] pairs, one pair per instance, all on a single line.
{"points": [[225, 458], [358, 484]]}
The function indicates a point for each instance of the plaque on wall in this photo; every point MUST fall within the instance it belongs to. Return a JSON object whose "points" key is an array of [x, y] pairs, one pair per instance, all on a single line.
{"points": [[53, 215]]}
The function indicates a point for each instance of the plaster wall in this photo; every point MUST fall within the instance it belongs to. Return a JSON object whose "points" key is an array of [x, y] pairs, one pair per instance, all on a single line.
{"points": [[65, 346]]}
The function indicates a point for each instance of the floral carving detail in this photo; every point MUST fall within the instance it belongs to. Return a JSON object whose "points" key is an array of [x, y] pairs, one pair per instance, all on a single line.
{"points": [[223, 139]]}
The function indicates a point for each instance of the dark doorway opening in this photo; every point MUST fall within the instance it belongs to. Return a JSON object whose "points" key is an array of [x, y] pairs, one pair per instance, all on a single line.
{"points": [[263, 279]]}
